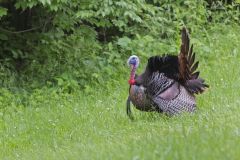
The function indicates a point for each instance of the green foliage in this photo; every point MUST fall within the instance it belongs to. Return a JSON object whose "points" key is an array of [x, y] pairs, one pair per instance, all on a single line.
{"points": [[65, 44], [64, 79], [3, 11], [52, 124], [227, 14]]}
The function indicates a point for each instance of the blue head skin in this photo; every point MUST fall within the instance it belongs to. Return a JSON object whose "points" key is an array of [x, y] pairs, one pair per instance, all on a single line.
{"points": [[133, 61]]}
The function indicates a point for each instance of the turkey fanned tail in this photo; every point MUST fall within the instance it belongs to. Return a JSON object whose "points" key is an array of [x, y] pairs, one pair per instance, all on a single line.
{"points": [[181, 68], [187, 67]]}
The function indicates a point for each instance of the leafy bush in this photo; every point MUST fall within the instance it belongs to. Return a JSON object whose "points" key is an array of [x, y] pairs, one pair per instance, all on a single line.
{"points": [[66, 44]]}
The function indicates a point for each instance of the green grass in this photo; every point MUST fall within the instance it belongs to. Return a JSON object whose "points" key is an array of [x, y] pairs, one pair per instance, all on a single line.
{"points": [[48, 125]]}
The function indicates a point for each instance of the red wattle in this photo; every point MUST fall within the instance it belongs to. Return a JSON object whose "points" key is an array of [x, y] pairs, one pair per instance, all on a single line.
{"points": [[131, 81]]}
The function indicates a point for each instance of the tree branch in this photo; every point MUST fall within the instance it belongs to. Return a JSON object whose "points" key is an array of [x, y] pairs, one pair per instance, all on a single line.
{"points": [[17, 32]]}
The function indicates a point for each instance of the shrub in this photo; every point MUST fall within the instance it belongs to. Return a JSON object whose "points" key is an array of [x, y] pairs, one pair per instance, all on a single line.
{"points": [[67, 44]]}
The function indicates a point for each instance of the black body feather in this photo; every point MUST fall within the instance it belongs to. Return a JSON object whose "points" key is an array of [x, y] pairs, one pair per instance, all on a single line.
{"points": [[181, 68]]}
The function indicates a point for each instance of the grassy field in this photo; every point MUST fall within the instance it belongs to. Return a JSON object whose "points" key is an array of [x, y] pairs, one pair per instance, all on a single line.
{"points": [[48, 125]]}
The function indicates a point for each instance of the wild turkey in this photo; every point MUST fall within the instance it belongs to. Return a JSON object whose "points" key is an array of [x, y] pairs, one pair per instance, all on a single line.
{"points": [[168, 84]]}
